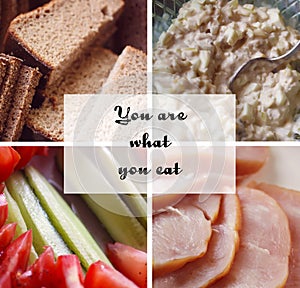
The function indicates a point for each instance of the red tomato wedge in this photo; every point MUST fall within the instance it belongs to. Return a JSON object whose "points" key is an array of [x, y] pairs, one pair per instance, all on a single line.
{"points": [[27, 152], [121, 255], [15, 257], [5, 280], [7, 233], [9, 158], [68, 272], [3, 209], [101, 275], [40, 273]]}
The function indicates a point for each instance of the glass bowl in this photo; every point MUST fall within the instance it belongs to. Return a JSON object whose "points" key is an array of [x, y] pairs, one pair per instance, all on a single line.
{"points": [[166, 10]]}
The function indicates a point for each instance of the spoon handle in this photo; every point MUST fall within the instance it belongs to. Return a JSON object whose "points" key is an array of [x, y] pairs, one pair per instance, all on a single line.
{"points": [[288, 55]]}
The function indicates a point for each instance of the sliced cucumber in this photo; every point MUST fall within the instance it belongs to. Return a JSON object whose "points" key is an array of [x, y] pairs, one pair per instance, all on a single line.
{"points": [[44, 233], [137, 205], [117, 219], [65, 221], [15, 216]]}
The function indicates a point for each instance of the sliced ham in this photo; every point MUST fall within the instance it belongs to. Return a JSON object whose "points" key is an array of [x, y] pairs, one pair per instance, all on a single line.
{"points": [[161, 202], [219, 256], [289, 200], [180, 235], [263, 257], [208, 203], [250, 159]]}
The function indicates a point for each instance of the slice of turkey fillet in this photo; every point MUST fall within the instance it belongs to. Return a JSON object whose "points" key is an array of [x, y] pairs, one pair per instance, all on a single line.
{"points": [[180, 235], [289, 200], [249, 160], [263, 257], [219, 256], [208, 203]]}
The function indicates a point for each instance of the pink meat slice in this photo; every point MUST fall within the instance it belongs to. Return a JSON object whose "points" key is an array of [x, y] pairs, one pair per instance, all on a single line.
{"points": [[208, 203], [289, 200], [250, 159], [180, 235], [263, 257], [219, 256]]}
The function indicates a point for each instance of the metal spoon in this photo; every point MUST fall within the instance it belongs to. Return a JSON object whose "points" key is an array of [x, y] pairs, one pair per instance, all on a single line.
{"points": [[268, 64]]}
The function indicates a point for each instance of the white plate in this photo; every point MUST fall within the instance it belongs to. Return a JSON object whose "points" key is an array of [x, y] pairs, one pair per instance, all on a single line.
{"points": [[282, 168]]}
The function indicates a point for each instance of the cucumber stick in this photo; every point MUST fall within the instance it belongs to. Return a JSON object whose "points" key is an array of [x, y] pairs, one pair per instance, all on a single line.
{"points": [[137, 205], [65, 221], [15, 216], [117, 219], [44, 234]]}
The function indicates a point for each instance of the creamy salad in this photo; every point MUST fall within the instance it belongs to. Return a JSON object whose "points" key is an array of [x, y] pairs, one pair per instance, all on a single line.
{"points": [[209, 40]]}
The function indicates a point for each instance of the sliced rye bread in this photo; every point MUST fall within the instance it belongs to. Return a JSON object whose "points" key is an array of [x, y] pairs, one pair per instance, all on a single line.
{"points": [[21, 103], [86, 76], [53, 36], [129, 75], [7, 88], [132, 26], [3, 66]]}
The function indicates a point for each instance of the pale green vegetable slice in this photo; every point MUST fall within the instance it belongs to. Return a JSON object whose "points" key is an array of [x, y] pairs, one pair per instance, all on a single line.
{"points": [[15, 216], [118, 219], [44, 233], [64, 220]]}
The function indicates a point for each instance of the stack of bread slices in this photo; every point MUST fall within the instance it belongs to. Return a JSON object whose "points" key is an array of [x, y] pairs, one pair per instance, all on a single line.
{"points": [[64, 41], [17, 88]]}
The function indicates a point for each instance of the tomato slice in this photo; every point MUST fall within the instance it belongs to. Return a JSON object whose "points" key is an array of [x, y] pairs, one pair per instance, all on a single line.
{"points": [[5, 280], [9, 158], [121, 255], [40, 273], [16, 255], [101, 275], [68, 272], [7, 233], [3, 209], [27, 152]]}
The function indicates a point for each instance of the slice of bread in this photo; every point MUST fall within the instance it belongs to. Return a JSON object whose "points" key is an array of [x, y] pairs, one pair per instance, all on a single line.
{"points": [[21, 102], [7, 88], [53, 36], [86, 76], [129, 75], [3, 66]]}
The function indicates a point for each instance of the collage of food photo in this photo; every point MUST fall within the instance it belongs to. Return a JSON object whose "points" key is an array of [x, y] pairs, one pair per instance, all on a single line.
{"points": [[149, 143]]}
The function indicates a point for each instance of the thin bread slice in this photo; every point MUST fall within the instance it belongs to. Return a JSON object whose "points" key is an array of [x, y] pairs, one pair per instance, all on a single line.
{"points": [[3, 66], [21, 103], [86, 76], [7, 88], [129, 75], [53, 36]]}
